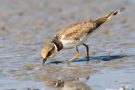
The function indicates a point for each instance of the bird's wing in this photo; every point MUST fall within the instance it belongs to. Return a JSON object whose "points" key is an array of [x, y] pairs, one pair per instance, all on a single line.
{"points": [[76, 31]]}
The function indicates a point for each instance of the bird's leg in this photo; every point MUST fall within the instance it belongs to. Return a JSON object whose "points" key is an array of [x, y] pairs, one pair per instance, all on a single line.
{"points": [[87, 49], [75, 57]]}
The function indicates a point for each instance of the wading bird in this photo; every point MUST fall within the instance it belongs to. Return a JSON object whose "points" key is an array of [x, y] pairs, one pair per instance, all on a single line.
{"points": [[72, 36]]}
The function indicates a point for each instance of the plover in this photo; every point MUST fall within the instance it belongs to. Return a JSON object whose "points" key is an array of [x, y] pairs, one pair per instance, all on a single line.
{"points": [[72, 36]]}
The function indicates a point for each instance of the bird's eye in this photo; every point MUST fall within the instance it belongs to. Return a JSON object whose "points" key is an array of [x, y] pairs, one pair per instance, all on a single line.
{"points": [[49, 53]]}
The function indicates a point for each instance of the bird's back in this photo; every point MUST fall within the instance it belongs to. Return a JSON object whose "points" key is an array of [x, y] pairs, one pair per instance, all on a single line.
{"points": [[76, 31]]}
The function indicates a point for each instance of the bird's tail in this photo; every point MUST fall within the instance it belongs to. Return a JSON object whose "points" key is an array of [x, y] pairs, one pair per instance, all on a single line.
{"points": [[101, 20]]}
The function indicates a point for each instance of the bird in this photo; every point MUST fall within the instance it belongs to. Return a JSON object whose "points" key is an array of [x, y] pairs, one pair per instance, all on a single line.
{"points": [[73, 36]]}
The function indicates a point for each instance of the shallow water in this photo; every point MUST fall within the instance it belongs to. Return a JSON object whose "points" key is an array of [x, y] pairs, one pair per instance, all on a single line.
{"points": [[26, 25]]}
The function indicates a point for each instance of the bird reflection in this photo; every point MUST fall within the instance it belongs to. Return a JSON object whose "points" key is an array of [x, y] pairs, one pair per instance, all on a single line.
{"points": [[74, 84]]}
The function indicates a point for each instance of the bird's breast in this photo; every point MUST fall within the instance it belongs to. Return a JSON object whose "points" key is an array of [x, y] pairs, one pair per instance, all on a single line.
{"points": [[71, 43]]}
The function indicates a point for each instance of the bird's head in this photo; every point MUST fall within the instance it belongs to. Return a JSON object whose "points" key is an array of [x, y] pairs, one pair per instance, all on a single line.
{"points": [[48, 50]]}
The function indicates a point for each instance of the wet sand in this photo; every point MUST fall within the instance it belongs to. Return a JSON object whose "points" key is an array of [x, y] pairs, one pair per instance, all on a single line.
{"points": [[26, 25]]}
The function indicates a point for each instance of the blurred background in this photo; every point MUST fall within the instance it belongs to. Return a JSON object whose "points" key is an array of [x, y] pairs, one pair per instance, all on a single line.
{"points": [[25, 26]]}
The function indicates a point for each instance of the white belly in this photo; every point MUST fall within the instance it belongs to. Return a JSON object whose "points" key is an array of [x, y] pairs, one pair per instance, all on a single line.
{"points": [[72, 43]]}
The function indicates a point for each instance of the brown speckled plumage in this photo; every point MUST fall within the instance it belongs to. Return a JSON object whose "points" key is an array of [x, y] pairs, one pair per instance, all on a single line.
{"points": [[76, 31]]}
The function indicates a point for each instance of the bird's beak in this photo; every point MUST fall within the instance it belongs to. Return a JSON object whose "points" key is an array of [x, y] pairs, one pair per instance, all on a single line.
{"points": [[44, 60]]}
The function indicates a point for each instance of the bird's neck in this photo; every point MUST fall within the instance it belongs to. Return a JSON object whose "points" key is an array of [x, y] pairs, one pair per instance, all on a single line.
{"points": [[57, 44]]}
